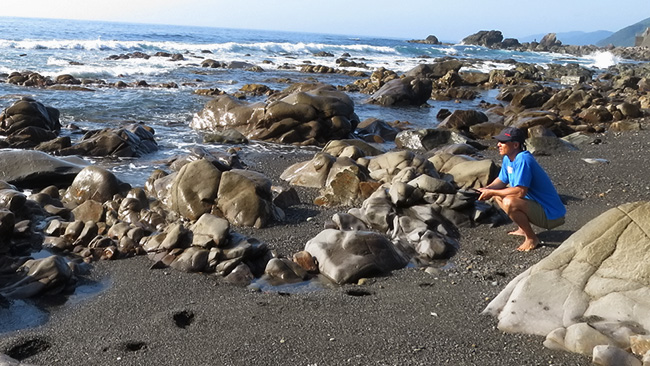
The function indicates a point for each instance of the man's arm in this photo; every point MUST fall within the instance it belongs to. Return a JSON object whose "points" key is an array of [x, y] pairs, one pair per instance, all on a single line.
{"points": [[499, 189]]}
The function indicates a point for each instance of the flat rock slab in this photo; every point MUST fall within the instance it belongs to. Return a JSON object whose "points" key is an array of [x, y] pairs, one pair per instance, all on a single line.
{"points": [[35, 169], [599, 275]]}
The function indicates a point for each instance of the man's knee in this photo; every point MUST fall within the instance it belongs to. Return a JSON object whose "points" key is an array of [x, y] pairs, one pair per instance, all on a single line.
{"points": [[511, 203]]}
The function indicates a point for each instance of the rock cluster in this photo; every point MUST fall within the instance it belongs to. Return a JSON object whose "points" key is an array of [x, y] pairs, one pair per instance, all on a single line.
{"points": [[175, 221], [28, 124], [303, 114], [409, 211]]}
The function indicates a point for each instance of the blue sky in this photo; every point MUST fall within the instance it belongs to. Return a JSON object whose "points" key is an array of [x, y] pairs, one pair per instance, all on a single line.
{"points": [[448, 20]]}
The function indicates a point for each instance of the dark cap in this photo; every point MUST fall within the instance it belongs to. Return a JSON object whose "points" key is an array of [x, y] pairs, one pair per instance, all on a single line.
{"points": [[511, 134]]}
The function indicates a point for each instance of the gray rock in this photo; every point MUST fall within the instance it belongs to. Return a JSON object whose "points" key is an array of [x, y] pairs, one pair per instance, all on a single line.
{"points": [[245, 198], [35, 169], [408, 91], [548, 145], [346, 256], [210, 230], [608, 355]]}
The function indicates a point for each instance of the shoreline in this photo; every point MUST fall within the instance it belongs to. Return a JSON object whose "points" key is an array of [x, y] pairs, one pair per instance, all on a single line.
{"points": [[408, 317]]}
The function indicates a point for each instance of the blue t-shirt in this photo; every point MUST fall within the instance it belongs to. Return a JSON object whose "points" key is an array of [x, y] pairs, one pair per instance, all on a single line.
{"points": [[525, 171]]}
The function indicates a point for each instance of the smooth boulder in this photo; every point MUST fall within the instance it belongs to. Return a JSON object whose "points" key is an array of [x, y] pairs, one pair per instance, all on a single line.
{"points": [[600, 274], [347, 256]]}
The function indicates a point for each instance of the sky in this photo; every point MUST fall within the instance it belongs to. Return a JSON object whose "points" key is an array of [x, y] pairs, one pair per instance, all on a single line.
{"points": [[449, 20]]}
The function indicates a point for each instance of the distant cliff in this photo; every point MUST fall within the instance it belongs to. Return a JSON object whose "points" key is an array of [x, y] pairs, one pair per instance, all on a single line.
{"points": [[643, 40], [626, 37]]}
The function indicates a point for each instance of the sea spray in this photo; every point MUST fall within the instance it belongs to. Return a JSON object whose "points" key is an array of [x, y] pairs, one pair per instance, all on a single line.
{"points": [[603, 59]]}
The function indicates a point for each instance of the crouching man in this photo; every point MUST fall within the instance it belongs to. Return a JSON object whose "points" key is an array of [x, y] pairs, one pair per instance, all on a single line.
{"points": [[523, 189]]}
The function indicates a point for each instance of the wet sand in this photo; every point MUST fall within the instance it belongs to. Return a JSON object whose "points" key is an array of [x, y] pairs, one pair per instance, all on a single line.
{"points": [[409, 317]]}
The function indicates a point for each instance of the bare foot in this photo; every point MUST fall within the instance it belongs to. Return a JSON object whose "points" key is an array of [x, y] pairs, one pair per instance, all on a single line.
{"points": [[528, 245], [517, 232]]}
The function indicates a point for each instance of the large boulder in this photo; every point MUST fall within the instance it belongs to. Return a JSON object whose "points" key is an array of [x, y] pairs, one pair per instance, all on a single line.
{"points": [[245, 198], [35, 169], [467, 172], [435, 70], [346, 256], [463, 119], [131, 141], [484, 38], [27, 112], [93, 183], [593, 289], [303, 114], [407, 91], [194, 188]]}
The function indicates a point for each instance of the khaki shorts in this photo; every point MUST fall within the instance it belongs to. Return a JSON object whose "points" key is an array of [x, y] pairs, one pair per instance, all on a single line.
{"points": [[537, 217]]}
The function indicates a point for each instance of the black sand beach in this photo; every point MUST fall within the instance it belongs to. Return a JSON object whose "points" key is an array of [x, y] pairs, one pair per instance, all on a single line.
{"points": [[410, 317]]}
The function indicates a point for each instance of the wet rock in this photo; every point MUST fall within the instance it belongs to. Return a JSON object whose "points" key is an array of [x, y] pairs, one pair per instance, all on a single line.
{"points": [[93, 183], [346, 256], [463, 119], [49, 275], [376, 130], [408, 91], [285, 270], [90, 210], [37, 169], [435, 70], [28, 112], [301, 114], [131, 141]]}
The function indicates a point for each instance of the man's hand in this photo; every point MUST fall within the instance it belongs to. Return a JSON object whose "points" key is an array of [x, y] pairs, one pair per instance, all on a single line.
{"points": [[486, 194]]}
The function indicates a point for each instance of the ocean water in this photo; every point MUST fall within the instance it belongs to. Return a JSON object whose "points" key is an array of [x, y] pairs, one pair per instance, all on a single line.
{"points": [[82, 48]]}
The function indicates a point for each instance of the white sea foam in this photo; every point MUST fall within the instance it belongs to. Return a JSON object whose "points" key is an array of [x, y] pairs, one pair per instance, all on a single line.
{"points": [[603, 59], [130, 46]]}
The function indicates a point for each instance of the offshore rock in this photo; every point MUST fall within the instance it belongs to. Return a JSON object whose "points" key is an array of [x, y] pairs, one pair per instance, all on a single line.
{"points": [[131, 141], [484, 38], [303, 114], [408, 91], [27, 112]]}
